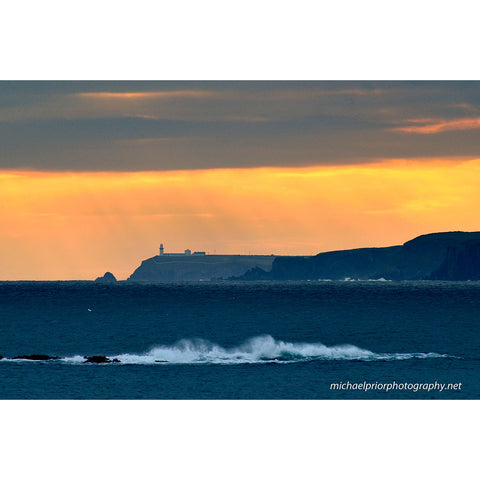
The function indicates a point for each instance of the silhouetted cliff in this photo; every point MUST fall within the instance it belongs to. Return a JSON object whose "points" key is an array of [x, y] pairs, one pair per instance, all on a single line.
{"points": [[462, 262], [168, 268], [447, 255]]}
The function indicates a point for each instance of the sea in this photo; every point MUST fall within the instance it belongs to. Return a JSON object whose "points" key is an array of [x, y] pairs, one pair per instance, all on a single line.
{"points": [[241, 340]]}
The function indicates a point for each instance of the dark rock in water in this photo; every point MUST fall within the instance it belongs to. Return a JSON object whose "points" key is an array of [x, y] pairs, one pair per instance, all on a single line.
{"points": [[1, 357], [107, 278], [161, 361], [35, 357], [97, 359], [115, 360]]}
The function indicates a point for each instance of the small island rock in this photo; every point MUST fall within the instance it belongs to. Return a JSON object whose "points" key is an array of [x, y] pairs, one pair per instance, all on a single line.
{"points": [[35, 356], [97, 359], [107, 278]]}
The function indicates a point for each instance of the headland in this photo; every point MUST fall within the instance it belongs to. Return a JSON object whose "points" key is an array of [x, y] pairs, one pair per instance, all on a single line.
{"points": [[435, 256], [197, 266]]}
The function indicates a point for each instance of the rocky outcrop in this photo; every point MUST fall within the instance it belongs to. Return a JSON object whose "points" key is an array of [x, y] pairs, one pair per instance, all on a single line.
{"points": [[38, 357], [255, 273], [100, 359], [107, 278]]}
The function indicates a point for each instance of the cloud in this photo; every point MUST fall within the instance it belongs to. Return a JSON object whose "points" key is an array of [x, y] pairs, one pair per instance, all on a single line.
{"points": [[282, 93], [431, 126], [135, 126], [166, 94]]}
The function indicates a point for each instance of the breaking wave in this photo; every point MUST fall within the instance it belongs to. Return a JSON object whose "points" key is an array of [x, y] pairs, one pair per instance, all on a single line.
{"points": [[261, 349]]}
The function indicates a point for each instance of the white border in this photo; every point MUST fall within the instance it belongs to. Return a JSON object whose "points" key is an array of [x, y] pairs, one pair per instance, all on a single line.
{"points": [[247, 40], [238, 440], [252, 39]]}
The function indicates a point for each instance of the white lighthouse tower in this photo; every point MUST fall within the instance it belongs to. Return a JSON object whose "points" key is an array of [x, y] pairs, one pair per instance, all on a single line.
{"points": [[161, 249]]}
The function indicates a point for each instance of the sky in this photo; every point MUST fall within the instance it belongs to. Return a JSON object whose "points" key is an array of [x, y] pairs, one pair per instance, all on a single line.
{"points": [[95, 175]]}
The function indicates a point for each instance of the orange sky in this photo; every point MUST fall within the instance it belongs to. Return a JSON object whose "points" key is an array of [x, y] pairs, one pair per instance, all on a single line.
{"points": [[79, 225]]}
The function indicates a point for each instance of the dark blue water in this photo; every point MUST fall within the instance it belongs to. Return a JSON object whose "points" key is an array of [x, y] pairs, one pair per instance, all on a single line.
{"points": [[239, 340]]}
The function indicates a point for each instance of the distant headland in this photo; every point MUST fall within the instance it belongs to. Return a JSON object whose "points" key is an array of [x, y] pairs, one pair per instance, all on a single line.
{"points": [[434, 256], [168, 267]]}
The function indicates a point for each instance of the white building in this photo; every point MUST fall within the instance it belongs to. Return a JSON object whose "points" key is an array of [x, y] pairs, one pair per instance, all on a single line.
{"points": [[187, 252]]}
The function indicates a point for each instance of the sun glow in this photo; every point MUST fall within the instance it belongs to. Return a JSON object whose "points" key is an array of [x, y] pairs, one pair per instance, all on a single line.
{"points": [[78, 225]]}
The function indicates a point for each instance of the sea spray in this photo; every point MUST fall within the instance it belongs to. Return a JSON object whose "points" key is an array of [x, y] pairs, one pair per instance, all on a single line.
{"points": [[256, 350], [260, 349]]}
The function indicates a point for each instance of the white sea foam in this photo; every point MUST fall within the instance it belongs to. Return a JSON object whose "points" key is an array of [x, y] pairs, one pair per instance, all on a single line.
{"points": [[74, 359], [261, 349]]}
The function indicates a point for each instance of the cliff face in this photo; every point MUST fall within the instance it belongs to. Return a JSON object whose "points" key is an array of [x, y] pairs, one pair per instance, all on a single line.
{"points": [[448, 254], [359, 263], [462, 262]]}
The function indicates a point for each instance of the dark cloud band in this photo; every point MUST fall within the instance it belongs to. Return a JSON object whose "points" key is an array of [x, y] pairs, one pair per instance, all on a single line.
{"points": [[172, 125]]}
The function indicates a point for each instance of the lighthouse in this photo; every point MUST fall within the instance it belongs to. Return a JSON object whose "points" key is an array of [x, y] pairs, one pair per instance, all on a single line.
{"points": [[161, 249]]}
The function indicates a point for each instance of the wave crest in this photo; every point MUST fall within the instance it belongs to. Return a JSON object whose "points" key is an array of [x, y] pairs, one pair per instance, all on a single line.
{"points": [[261, 349]]}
